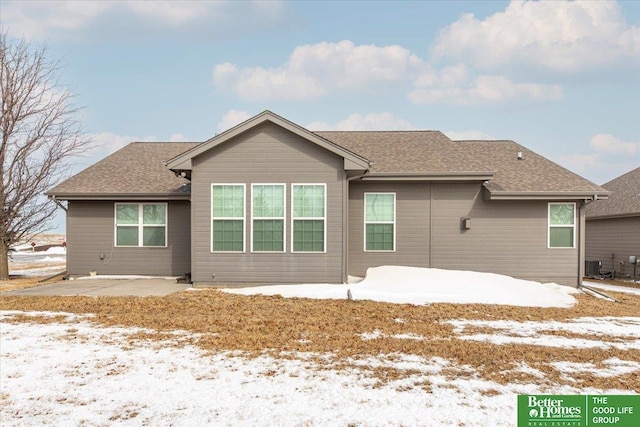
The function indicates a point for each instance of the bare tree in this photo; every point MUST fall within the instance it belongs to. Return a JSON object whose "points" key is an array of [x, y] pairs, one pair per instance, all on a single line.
{"points": [[40, 133]]}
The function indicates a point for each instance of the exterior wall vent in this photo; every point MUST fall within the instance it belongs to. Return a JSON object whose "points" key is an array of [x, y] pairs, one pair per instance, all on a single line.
{"points": [[465, 223]]}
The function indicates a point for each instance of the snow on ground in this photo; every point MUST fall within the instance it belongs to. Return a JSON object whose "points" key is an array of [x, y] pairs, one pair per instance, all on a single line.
{"points": [[603, 332], [413, 285], [40, 240], [54, 250], [82, 374], [28, 263], [123, 277], [37, 271], [614, 288]]}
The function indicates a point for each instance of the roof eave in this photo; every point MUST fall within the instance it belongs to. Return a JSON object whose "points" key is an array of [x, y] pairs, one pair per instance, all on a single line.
{"points": [[547, 195], [614, 216], [440, 176], [119, 196]]}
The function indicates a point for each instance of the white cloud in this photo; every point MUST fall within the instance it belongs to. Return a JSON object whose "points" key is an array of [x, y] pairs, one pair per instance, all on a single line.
{"points": [[606, 143], [36, 19], [371, 121], [610, 157], [177, 137], [232, 118], [555, 35], [312, 70], [469, 135], [105, 143], [172, 13], [481, 90], [81, 20], [108, 142]]}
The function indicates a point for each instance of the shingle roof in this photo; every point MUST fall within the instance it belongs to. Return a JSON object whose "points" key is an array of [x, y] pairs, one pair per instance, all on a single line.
{"points": [[424, 152], [624, 199], [137, 169]]}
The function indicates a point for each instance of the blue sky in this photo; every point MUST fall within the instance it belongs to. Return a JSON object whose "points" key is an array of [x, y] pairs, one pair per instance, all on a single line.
{"points": [[561, 78]]}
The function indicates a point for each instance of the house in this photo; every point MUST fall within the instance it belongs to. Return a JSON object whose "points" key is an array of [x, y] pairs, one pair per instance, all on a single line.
{"points": [[269, 201], [613, 225]]}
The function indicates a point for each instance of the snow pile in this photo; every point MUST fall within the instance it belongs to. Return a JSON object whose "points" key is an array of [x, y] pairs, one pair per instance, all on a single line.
{"points": [[56, 250], [413, 285]]}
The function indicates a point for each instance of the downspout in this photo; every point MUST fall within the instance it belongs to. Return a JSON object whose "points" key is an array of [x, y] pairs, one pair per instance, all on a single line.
{"points": [[345, 226], [581, 238], [57, 202]]}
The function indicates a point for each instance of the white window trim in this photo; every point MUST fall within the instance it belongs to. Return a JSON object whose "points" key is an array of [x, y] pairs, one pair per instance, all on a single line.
{"points": [[395, 230], [324, 218], [550, 226], [140, 225], [283, 218], [244, 217]]}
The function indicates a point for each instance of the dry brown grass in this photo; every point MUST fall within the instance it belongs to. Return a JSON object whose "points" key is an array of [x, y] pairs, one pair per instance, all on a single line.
{"points": [[257, 325], [19, 282]]}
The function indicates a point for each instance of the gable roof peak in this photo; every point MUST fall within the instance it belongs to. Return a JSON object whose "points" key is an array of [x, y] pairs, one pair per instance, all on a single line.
{"points": [[183, 161]]}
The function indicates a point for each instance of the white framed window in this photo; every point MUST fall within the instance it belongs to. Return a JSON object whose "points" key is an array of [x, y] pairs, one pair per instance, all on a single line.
{"points": [[562, 225], [380, 222], [308, 217], [268, 217], [140, 225], [227, 218]]}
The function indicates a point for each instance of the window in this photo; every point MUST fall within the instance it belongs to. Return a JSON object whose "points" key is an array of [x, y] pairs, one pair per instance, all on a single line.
{"points": [[141, 224], [227, 217], [380, 221], [308, 214], [268, 217], [562, 224]]}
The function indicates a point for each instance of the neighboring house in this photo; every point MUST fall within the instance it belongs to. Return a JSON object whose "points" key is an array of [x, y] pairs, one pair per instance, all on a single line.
{"points": [[613, 225], [271, 202]]}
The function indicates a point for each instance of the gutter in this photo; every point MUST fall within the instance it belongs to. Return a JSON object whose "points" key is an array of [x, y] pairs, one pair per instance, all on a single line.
{"points": [[443, 176], [545, 195], [121, 196]]}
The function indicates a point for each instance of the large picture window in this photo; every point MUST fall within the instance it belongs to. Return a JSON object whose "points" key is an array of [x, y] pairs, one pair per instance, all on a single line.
{"points": [[308, 214], [562, 225], [141, 224], [268, 217], [227, 217], [380, 221]]}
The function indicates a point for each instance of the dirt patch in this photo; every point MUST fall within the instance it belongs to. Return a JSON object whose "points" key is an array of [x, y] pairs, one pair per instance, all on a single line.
{"points": [[285, 328]]}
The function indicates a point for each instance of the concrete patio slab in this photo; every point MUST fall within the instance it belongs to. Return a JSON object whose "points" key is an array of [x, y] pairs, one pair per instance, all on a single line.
{"points": [[105, 287]]}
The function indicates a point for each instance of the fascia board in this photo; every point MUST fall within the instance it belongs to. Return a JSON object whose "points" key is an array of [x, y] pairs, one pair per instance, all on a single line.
{"points": [[120, 196], [613, 216], [546, 195], [454, 176]]}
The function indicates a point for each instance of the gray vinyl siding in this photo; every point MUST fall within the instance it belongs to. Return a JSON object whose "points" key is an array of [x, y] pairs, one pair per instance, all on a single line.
{"points": [[90, 233], [412, 226], [267, 154], [612, 241], [506, 237]]}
